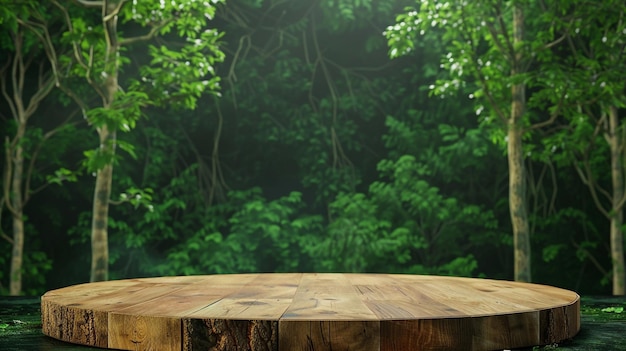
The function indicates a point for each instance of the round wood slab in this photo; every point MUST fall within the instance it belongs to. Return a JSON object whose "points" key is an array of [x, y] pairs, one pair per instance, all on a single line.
{"points": [[313, 312]]}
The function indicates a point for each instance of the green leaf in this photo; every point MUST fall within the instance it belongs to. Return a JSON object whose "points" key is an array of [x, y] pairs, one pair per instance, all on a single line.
{"points": [[613, 309], [550, 252], [62, 175], [128, 147]]}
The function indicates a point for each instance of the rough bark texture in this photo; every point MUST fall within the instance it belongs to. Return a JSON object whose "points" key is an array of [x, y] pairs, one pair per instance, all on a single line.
{"points": [[227, 335], [559, 323], [17, 206], [616, 145], [517, 203], [104, 177], [81, 326], [517, 176], [99, 232]]}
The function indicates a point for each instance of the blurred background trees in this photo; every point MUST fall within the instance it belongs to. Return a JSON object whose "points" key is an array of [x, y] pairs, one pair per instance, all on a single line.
{"points": [[321, 153]]}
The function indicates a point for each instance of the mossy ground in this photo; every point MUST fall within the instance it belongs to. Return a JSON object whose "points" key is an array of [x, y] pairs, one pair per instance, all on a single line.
{"points": [[18, 317]]}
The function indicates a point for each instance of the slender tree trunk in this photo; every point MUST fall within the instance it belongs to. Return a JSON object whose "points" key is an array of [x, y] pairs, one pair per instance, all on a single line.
{"points": [[17, 206], [99, 224], [517, 204], [15, 190], [616, 145], [101, 196], [517, 176], [104, 177]]}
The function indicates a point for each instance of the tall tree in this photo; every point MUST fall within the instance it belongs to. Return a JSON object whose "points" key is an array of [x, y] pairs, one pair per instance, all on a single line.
{"points": [[178, 75], [28, 76], [488, 49], [592, 71], [599, 53]]}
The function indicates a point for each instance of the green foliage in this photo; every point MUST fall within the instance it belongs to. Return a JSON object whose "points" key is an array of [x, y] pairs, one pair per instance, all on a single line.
{"points": [[550, 252], [402, 224], [186, 17], [98, 158], [259, 235], [181, 76], [342, 15], [320, 154], [617, 310], [36, 265], [177, 74], [316, 129], [138, 197], [122, 114], [10, 13], [479, 53], [357, 239]]}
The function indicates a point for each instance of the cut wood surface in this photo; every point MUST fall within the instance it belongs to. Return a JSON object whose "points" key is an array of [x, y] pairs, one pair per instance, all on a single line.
{"points": [[312, 312]]}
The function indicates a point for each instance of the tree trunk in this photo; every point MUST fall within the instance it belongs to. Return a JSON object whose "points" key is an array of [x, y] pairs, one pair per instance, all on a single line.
{"points": [[15, 189], [17, 205], [99, 224], [102, 194], [616, 145], [104, 176], [517, 204], [517, 176]]}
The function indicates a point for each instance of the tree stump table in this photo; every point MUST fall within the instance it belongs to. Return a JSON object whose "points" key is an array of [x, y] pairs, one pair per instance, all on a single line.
{"points": [[307, 311]]}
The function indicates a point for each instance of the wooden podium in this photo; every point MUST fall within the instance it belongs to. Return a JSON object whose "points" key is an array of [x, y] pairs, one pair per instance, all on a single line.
{"points": [[312, 312]]}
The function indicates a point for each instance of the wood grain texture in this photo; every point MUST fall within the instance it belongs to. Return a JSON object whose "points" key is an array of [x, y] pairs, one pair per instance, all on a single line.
{"points": [[136, 332], [339, 335], [312, 312]]}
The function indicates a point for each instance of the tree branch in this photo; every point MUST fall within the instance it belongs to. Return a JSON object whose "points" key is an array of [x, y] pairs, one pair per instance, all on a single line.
{"points": [[115, 11], [3, 88], [556, 41], [496, 40], [17, 75], [231, 77], [2, 233], [587, 176], [76, 48], [33, 159], [39, 96], [483, 82], [555, 187], [141, 38], [78, 53], [555, 114], [7, 177], [46, 41], [215, 163], [505, 33], [590, 256], [90, 3]]}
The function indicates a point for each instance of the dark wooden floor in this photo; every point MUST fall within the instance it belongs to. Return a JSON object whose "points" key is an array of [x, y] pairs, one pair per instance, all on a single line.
{"points": [[20, 327]]}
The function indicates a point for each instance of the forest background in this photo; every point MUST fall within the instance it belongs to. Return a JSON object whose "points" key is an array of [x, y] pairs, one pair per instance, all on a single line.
{"points": [[324, 135]]}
